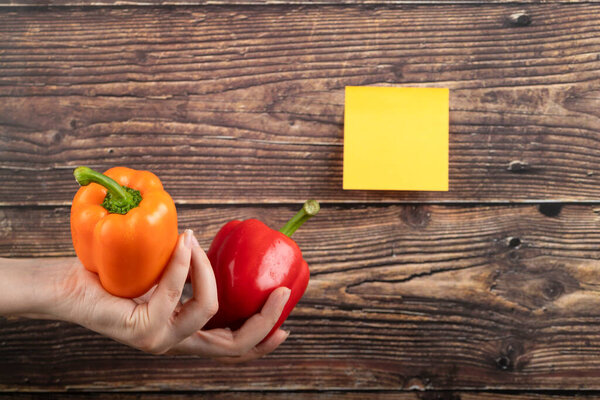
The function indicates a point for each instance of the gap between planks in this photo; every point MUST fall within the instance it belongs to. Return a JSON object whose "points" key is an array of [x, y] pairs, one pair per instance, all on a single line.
{"points": [[294, 3], [350, 203]]}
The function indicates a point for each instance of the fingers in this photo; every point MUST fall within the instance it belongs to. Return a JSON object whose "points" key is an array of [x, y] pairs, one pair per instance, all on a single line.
{"points": [[243, 342], [268, 346], [175, 328], [198, 310], [197, 346], [171, 322], [166, 295], [257, 327]]}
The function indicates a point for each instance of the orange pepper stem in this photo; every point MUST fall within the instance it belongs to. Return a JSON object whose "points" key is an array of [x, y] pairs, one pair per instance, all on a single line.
{"points": [[119, 199], [309, 209]]}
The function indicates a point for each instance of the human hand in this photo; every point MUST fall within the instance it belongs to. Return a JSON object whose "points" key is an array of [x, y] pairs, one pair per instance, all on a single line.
{"points": [[157, 322]]}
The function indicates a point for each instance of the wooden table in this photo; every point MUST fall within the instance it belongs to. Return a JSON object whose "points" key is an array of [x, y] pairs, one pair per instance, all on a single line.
{"points": [[491, 290]]}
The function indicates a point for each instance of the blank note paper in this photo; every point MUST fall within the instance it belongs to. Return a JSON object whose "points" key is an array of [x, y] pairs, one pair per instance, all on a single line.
{"points": [[396, 138]]}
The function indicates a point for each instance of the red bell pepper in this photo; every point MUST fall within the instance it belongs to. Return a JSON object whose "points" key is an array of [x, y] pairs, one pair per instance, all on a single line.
{"points": [[250, 260]]}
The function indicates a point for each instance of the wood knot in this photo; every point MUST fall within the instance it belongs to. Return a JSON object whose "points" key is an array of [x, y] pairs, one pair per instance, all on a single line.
{"points": [[550, 209], [504, 363], [534, 287], [520, 18], [517, 166], [553, 289], [57, 137], [415, 216], [509, 357], [513, 242]]}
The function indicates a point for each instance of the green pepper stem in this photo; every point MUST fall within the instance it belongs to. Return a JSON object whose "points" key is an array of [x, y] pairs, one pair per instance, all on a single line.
{"points": [[120, 197], [309, 209]]}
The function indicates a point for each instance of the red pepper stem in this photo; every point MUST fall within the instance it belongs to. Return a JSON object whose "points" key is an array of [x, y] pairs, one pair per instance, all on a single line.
{"points": [[309, 209], [120, 197]]}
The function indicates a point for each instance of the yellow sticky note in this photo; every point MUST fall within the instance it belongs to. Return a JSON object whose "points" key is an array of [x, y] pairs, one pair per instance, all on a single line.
{"points": [[396, 138]]}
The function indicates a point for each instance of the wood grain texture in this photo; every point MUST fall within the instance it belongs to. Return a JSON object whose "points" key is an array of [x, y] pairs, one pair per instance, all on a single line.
{"points": [[310, 395], [168, 3], [245, 104], [401, 297]]}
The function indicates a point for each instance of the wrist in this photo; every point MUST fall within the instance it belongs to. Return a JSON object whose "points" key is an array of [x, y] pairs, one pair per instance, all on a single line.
{"points": [[31, 287]]}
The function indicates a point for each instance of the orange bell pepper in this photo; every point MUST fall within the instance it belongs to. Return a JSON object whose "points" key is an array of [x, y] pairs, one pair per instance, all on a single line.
{"points": [[124, 228]]}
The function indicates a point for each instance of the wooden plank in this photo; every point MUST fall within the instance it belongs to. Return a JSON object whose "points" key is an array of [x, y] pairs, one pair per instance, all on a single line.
{"points": [[310, 395], [401, 297], [163, 3], [245, 104]]}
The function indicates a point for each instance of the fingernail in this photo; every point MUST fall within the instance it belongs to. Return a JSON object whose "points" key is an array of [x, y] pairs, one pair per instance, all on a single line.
{"points": [[195, 241], [287, 333], [189, 238], [285, 296]]}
